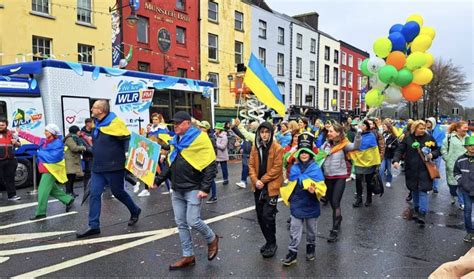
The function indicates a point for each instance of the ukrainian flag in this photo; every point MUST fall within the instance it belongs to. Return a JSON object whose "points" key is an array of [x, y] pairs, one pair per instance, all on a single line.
{"points": [[261, 82], [368, 154], [195, 147], [111, 125], [52, 157]]}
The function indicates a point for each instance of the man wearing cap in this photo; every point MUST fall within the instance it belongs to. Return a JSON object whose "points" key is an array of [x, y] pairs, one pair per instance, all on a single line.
{"points": [[111, 138], [192, 168], [8, 163]]}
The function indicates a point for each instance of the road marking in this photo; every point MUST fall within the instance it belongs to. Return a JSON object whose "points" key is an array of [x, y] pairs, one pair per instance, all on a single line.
{"points": [[34, 221], [9, 238], [109, 251], [4, 209]]}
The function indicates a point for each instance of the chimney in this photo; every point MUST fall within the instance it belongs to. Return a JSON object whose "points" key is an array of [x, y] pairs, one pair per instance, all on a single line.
{"points": [[309, 18]]}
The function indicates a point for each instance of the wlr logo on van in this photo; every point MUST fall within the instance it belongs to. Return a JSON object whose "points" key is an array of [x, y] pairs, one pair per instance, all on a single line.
{"points": [[130, 92]]}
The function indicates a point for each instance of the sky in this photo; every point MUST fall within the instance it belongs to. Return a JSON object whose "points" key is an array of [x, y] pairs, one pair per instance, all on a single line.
{"points": [[361, 22]]}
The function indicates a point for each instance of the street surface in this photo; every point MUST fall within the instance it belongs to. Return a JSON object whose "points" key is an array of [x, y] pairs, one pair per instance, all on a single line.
{"points": [[374, 241]]}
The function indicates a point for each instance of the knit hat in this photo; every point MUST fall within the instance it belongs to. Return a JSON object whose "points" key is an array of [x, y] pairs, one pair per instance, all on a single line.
{"points": [[74, 129], [219, 126], [305, 144], [469, 141], [204, 124], [53, 129]]}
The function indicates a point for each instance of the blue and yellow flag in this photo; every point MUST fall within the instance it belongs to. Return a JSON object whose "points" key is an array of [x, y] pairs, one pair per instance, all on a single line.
{"points": [[312, 175], [262, 84], [195, 147], [52, 157], [368, 154], [111, 125]]}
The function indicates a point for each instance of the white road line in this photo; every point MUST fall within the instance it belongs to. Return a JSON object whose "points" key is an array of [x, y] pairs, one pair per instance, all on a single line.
{"points": [[34, 221], [4, 209], [9, 238], [163, 233]]}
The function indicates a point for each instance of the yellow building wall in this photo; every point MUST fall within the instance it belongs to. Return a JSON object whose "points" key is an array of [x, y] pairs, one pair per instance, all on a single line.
{"points": [[18, 24], [227, 35]]}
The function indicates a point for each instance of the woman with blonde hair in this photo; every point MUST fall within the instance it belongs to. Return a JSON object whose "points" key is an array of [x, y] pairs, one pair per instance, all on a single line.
{"points": [[391, 144], [293, 126]]}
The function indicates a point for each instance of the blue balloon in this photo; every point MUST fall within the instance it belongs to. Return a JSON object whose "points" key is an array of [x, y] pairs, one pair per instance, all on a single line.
{"points": [[398, 41], [396, 28], [411, 30]]}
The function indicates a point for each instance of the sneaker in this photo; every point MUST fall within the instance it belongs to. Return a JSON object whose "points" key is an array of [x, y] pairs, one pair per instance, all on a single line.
{"points": [[290, 258], [241, 184], [461, 207], [310, 251], [226, 182], [270, 251], [165, 193], [453, 200], [388, 184], [144, 193], [211, 200], [348, 179], [353, 176], [468, 238], [14, 198], [136, 187]]}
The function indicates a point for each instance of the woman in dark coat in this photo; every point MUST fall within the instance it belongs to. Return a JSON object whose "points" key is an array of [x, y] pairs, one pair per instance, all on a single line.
{"points": [[417, 177]]}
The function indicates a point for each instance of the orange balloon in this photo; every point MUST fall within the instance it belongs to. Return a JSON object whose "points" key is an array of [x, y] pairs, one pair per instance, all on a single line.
{"points": [[396, 59], [412, 92]]}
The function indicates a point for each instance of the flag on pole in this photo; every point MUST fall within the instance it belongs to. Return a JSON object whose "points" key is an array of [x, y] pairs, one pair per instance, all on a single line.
{"points": [[262, 84]]}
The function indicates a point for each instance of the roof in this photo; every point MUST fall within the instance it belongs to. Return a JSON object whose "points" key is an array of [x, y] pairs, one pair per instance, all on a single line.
{"points": [[261, 4], [327, 35], [355, 49]]}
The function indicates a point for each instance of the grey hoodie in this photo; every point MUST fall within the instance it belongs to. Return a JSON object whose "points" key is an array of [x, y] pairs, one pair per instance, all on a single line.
{"points": [[335, 166]]}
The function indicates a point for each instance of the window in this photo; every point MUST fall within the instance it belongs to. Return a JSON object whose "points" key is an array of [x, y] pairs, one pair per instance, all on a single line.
{"points": [[335, 76], [359, 82], [41, 6], [326, 53], [312, 70], [182, 73], [3, 109], [349, 79], [336, 56], [359, 62], [41, 48], [313, 46], [343, 100], [143, 66], [239, 52], [299, 67], [142, 30], [262, 29], [326, 99], [280, 64], [239, 21], [262, 55], [84, 54], [181, 5], [213, 47], [335, 97], [180, 35], [214, 79], [213, 11], [84, 11], [281, 36], [281, 87], [343, 78], [350, 61], [299, 41], [298, 94], [326, 73], [349, 100], [312, 93], [343, 58]]}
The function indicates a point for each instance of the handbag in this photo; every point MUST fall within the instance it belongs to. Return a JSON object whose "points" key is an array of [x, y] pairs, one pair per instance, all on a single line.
{"points": [[377, 184], [430, 166]]}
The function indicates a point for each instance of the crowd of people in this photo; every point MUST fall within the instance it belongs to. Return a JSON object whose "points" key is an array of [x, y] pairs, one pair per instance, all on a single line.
{"points": [[306, 163]]}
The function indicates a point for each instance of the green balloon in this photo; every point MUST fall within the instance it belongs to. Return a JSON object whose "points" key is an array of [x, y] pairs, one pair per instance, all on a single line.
{"points": [[404, 77], [387, 74], [364, 69]]}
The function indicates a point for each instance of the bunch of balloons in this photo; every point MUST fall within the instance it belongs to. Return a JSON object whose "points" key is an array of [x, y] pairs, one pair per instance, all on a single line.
{"points": [[402, 65]]}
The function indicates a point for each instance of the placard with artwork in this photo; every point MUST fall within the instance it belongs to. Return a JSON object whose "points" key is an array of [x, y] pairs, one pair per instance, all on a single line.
{"points": [[142, 159]]}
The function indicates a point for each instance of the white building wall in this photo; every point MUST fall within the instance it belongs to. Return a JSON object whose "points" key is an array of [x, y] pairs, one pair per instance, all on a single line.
{"points": [[333, 44]]}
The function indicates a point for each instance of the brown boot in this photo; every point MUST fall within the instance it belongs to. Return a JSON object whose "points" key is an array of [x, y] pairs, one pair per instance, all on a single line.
{"points": [[213, 248], [183, 262]]}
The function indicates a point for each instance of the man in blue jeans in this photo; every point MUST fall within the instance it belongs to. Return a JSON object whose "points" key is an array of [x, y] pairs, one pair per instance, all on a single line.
{"points": [[110, 143], [192, 169]]}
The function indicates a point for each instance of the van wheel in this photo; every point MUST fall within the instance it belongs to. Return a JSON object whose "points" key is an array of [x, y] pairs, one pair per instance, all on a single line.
{"points": [[24, 174]]}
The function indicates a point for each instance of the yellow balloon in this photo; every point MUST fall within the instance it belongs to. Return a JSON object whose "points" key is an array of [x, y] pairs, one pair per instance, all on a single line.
{"points": [[416, 18], [415, 60], [422, 76], [421, 43], [429, 31], [429, 60], [374, 98], [382, 47]]}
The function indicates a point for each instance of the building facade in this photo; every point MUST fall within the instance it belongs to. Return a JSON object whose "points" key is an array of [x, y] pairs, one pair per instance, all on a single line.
{"points": [[329, 89], [225, 42], [77, 31], [351, 99]]}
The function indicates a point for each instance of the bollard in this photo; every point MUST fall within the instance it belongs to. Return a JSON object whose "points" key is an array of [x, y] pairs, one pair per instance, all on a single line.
{"points": [[35, 190]]}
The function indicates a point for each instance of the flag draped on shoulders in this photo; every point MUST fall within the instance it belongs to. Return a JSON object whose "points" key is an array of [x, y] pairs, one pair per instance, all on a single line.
{"points": [[312, 175], [322, 154], [368, 154], [195, 147], [112, 126], [262, 84], [52, 157]]}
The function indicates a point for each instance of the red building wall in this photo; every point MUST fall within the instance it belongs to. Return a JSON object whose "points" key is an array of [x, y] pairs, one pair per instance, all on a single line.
{"points": [[165, 16], [357, 55]]}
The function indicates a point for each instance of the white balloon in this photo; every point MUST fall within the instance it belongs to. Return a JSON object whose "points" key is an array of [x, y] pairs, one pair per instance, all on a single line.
{"points": [[393, 95], [374, 64], [123, 63], [376, 83]]}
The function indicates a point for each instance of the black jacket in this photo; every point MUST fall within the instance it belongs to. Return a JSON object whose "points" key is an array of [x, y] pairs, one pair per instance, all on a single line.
{"points": [[109, 152], [464, 173], [416, 174], [391, 144]]}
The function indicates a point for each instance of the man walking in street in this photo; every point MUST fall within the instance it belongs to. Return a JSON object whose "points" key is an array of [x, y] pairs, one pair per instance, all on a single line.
{"points": [[192, 168], [110, 142], [266, 174], [8, 163]]}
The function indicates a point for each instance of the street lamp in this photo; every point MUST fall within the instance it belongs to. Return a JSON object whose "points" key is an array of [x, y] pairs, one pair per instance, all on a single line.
{"points": [[132, 19]]}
